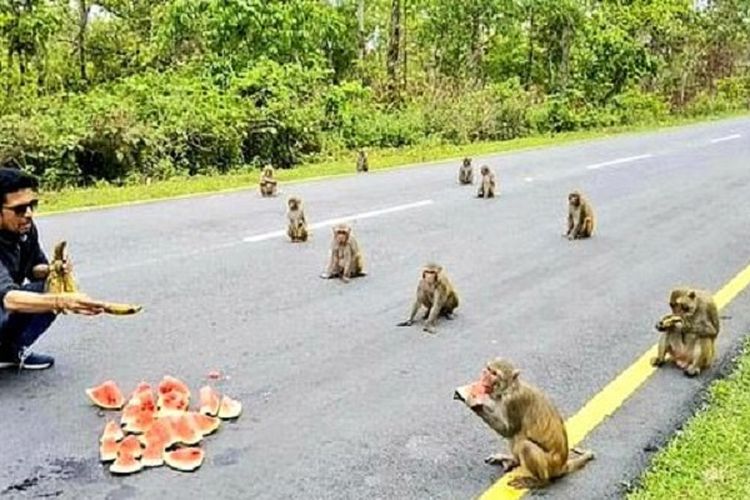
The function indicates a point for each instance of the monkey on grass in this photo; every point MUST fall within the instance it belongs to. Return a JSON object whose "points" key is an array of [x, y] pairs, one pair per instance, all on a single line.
{"points": [[581, 219], [297, 228], [362, 163], [267, 183], [436, 293], [466, 172], [525, 416], [346, 259], [487, 183]]}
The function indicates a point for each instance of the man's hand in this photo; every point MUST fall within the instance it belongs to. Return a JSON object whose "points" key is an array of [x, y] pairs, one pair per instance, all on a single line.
{"points": [[79, 303]]}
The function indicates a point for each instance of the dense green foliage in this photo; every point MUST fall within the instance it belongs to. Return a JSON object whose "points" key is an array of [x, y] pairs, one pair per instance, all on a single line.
{"points": [[123, 90]]}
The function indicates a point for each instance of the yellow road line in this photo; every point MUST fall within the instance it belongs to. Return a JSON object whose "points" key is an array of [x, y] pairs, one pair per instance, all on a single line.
{"points": [[614, 394]]}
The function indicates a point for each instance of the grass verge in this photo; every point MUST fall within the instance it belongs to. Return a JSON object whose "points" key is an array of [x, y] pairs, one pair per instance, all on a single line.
{"points": [[709, 459], [109, 195]]}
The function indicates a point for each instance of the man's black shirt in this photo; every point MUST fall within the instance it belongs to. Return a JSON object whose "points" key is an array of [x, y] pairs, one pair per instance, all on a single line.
{"points": [[18, 256]]}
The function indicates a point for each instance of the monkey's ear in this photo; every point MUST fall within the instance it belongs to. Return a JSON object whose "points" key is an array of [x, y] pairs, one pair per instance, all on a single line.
{"points": [[514, 375]]}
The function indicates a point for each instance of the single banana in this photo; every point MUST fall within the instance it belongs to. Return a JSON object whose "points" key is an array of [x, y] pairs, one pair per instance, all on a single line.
{"points": [[121, 309]]}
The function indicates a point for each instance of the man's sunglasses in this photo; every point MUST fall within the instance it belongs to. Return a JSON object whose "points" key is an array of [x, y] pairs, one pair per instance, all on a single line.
{"points": [[20, 210]]}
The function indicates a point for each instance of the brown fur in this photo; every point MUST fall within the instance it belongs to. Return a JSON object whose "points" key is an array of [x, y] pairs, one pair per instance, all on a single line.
{"points": [[466, 172], [363, 164], [701, 316], [346, 259], [435, 292], [297, 229], [524, 415], [487, 184], [672, 343], [267, 183], [581, 218]]}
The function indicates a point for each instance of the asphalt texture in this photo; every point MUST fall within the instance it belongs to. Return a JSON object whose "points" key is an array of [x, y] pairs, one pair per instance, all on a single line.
{"points": [[338, 401]]}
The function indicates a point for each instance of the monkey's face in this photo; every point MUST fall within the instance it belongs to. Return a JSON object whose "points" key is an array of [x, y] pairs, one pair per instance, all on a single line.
{"points": [[342, 237], [485, 170], [467, 162], [574, 199], [499, 377], [684, 304], [429, 276], [293, 205]]}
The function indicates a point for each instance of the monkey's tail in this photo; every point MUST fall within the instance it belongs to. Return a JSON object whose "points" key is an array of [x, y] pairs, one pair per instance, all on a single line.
{"points": [[576, 463]]}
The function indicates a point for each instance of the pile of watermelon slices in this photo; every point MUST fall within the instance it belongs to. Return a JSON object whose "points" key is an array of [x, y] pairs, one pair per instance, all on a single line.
{"points": [[158, 429]]}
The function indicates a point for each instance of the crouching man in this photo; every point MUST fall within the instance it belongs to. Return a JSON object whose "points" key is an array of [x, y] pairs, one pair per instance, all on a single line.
{"points": [[26, 312]]}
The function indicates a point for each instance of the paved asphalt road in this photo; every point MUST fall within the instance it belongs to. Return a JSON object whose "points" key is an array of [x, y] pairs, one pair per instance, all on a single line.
{"points": [[340, 403]]}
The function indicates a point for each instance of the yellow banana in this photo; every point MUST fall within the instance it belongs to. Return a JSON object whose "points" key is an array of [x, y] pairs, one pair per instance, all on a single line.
{"points": [[121, 309], [59, 280]]}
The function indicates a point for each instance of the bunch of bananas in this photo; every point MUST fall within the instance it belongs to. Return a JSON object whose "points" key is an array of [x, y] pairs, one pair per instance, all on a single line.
{"points": [[60, 280]]}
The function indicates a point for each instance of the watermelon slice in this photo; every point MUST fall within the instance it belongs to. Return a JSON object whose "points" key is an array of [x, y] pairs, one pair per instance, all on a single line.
{"points": [[141, 423], [210, 401], [106, 395], [160, 432], [125, 464], [172, 404], [108, 450], [171, 384], [184, 430], [130, 446], [230, 408], [112, 432], [472, 394], [142, 388], [153, 455], [204, 423], [184, 459]]}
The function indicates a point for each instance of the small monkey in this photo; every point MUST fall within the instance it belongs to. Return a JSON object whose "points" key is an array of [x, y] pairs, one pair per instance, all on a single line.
{"points": [[581, 219], [524, 415], [267, 183], [362, 163], [671, 342], [297, 230], [435, 291], [466, 172], [698, 310], [346, 259], [486, 183]]}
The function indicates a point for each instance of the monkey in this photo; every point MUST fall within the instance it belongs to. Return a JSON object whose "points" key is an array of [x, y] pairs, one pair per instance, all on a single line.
{"points": [[524, 415], [346, 259], [434, 291], [486, 183], [466, 172], [297, 230], [268, 183], [698, 310], [362, 163], [672, 341], [581, 219]]}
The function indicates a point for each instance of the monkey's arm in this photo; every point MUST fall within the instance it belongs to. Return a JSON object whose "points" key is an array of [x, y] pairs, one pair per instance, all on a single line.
{"points": [[414, 309], [438, 300], [348, 259]]}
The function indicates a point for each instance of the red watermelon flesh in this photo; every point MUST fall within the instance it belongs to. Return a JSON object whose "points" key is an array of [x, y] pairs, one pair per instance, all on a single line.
{"points": [[184, 430], [210, 401], [112, 432], [172, 384], [153, 455], [230, 408], [184, 459], [204, 423], [130, 446], [108, 450], [106, 395], [172, 404], [141, 423], [125, 464], [159, 433]]}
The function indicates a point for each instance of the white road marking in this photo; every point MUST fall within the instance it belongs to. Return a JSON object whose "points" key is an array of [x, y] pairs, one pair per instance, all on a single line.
{"points": [[727, 138], [618, 161], [340, 220]]}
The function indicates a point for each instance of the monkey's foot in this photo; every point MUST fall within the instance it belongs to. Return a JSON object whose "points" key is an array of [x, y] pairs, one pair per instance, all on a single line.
{"points": [[327, 276], [692, 372], [525, 483], [681, 364], [405, 323], [507, 462], [656, 362], [429, 329]]}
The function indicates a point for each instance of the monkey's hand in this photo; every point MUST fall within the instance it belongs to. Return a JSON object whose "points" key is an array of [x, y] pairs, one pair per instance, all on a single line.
{"points": [[345, 278], [507, 462], [657, 361], [408, 322], [429, 329]]}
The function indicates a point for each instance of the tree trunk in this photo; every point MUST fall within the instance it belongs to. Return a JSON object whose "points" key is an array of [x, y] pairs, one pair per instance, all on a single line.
{"points": [[83, 20], [530, 56], [361, 29], [394, 50]]}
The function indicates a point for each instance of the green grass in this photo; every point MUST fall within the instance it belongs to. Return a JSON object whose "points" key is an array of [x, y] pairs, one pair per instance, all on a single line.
{"points": [[710, 459], [103, 195]]}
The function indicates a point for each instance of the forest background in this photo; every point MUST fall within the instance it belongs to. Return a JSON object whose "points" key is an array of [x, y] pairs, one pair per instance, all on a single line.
{"points": [[130, 91]]}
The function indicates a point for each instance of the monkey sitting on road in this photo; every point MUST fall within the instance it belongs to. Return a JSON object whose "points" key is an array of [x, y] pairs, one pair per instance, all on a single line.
{"points": [[362, 163], [466, 172], [297, 229], [698, 310], [437, 294], [671, 342], [267, 183], [521, 413], [581, 220], [346, 259], [486, 183]]}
